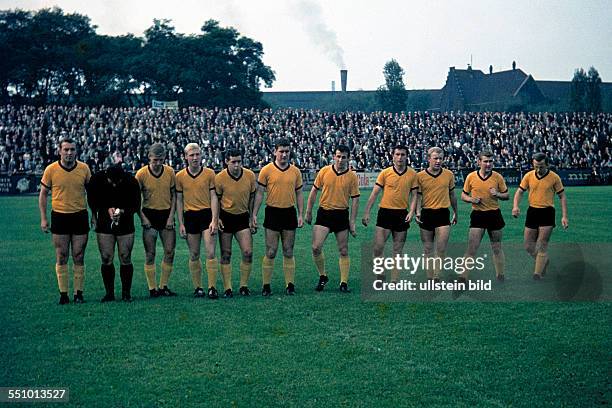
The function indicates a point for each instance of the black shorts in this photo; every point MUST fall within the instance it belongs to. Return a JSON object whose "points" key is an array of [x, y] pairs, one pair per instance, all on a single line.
{"points": [[70, 223], [124, 227], [280, 219], [232, 223], [540, 217], [392, 219], [158, 218], [335, 220], [491, 220], [431, 218], [197, 221]]}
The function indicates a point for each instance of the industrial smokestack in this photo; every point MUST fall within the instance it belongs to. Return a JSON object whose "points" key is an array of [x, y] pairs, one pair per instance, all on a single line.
{"points": [[343, 73], [333, 86]]}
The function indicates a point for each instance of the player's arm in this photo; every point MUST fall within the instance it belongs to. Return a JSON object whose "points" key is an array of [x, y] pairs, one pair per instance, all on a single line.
{"points": [[373, 195], [413, 204], [502, 196], [299, 197], [251, 204], [311, 200], [354, 212], [170, 221], [419, 203], [214, 207], [42, 206], [259, 194], [564, 219], [453, 200], [180, 207], [518, 196]]}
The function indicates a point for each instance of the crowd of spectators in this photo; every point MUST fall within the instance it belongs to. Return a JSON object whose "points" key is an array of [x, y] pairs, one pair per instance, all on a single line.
{"points": [[29, 136]]}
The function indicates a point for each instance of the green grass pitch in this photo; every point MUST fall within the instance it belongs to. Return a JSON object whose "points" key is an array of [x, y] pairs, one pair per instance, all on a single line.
{"points": [[313, 349]]}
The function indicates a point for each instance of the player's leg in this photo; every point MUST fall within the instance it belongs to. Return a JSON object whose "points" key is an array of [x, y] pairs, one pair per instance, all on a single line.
{"points": [[194, 241], [442, 235], [106, 246], [149, 241], [427, 238], [168, 239], [541, 262], [319, 235], [499, 258], [380, 238], [78, 244], [530, 237], [245, 242], [474, 239], [399, 240], [125, 244], [61, 243], [267, 267], [344, 262], [288, 241]]}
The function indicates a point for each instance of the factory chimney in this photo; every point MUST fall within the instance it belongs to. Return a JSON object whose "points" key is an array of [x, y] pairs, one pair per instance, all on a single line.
{"points": [[343, 73]]}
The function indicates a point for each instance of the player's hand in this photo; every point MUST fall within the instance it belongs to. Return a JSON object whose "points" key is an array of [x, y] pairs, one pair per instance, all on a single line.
{"points": [[454, 219], [254, 221], [111, 212], [417, 218], [564, 222], [516, 212], [409, 217], [300, 221], [170, 224], [309, 217], [493, 191], [182, 231], [146, 224], [365, 220], [252, 227], [213, 228], [44, 226], [476, 200], [353, 228], [93, 222], [221, 226]]}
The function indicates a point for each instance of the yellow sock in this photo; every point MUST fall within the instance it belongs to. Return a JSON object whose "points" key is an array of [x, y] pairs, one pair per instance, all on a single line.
{"points": [[212, 268], [345, 265], [61, 271], [165, 275], [79, 277], [267, 266], [226, 274], [499, 261], [289, 269], [150, 274], [540, 263], [195, 267], [319, 261], [245, 272]]}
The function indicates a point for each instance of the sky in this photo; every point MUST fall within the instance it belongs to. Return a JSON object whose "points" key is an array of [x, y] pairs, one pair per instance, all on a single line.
{"points": [[307, 42]]}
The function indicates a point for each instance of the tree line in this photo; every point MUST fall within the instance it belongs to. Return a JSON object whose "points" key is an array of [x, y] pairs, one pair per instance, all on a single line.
{"points": [[49, 56]]}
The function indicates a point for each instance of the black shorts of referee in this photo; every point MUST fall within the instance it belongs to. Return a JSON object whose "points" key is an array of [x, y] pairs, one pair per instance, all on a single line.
{"points": [[335, 220], [232, 223], [432, 218], [491, 220], [540, 217], [197, 221], [280, 219], [392, 219], [158, 218], [104, 224], [70, 223]]}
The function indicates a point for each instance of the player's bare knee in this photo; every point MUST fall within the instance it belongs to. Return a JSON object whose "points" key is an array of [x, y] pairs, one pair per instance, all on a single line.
{"points": [[247, 256], [226, 256], [288, 252], [106, 258], [496, 248], [343, 251], [316, 250], [271, 253], [125, 259]]}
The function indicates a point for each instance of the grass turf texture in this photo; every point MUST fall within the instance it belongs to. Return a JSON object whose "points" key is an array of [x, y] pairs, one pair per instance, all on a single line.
{"points": [[313, 349]]}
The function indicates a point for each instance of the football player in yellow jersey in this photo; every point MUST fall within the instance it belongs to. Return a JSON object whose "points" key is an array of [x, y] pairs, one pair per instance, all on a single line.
{"points": [[197, 211], [282, 182], [158, 183], [436, 194], [66, 180], [542, 185], [337, 184], [483, 188], [236, 188], [398, 184]]}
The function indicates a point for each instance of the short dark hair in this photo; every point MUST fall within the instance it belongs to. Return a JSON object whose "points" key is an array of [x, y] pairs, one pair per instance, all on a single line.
{"points": [[485, 153], [68, 140], [232, 153], [539, 156], [343, 149], [399, 147], [283, 141]]}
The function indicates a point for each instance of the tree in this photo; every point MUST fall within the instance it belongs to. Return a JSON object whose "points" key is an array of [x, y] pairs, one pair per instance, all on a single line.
{"points": [[578, 91], [593, 91], [392, 96]]}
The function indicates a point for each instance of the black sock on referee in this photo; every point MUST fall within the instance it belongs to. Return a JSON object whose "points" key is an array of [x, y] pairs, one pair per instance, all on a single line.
{"points": [[108, 277], [126, 272]]}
